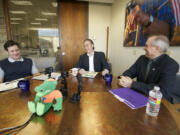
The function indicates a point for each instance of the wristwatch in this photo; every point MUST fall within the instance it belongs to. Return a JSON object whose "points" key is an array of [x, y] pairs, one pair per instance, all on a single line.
{"points": [[151, 20]]}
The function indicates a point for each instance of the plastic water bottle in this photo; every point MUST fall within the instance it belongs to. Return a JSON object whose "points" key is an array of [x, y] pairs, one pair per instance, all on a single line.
{"points": [[153, 105]]}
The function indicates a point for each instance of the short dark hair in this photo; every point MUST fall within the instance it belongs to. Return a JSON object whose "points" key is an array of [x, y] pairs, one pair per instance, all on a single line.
{"points": [[10, 43], [90, 40]]}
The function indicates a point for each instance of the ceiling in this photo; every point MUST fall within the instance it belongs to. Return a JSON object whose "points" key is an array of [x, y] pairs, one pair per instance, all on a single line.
{"points": [[34, 14], [30, 18]]}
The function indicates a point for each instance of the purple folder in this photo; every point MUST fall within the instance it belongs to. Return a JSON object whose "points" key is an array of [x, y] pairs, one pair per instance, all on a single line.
{"points": [[130, 97]]}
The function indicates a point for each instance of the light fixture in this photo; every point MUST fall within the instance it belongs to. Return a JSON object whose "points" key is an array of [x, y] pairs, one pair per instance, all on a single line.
{"points": [[48, 13], [17, 12], [54, 4], [22, 3], [16, 19], [36, 23], [34, 28], [15, 23], [41, 19]]}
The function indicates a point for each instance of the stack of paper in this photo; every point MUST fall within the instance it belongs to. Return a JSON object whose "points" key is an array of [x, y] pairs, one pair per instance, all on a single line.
{"points": [[9, 85], [90, 74], [130, 97], [43, 77]]}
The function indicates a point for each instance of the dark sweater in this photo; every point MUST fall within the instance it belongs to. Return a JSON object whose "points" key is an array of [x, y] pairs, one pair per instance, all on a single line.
{"points": [[17, 69]]}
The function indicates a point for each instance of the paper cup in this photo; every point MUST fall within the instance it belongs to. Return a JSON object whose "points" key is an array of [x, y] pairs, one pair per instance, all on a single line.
{"points": [[75, 71]]}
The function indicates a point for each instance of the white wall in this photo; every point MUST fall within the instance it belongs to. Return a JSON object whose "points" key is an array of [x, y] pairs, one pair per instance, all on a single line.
{"points": [[122, 57], [99, 19]]}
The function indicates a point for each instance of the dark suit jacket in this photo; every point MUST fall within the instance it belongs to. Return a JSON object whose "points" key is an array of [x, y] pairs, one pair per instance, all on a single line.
{"points": [[162, 73], [99, 62]]}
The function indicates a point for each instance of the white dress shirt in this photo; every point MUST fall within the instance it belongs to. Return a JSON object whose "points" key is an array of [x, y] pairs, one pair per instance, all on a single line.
{"points": [[91, 62]]}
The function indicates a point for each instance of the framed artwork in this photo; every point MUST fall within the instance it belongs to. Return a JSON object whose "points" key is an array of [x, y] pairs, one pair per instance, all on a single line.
{"points": [[152, 17]]}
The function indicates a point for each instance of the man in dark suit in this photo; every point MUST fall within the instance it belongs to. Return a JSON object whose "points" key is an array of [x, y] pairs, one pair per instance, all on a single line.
{"points": [[91, 60], [153, 68]]}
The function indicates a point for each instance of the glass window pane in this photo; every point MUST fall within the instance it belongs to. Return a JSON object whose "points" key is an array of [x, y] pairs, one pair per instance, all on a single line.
{"points": [[34, 26]]}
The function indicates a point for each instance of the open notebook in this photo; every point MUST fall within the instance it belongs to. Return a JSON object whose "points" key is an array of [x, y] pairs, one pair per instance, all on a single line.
{"points": [[43, 77], [9, 85], [90, 74]]}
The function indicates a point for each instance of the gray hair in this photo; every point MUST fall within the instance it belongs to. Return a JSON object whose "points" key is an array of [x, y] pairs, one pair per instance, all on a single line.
{"points": [[161, 41]]}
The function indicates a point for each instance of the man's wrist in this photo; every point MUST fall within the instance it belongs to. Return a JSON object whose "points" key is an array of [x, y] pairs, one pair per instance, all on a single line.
{"points": [[106, 70], [151, 20], [131, 86]]}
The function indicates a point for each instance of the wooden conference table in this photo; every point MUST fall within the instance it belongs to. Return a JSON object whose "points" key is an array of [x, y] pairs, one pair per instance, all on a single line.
{"points": [[98, 113]]}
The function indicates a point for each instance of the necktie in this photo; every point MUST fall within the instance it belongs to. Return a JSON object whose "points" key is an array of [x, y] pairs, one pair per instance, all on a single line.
{"points": [[148, 69]]}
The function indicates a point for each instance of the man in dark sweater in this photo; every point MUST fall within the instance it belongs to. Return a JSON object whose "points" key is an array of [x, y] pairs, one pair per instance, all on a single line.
{"points": [[91, 60], [153, 68], [15, 66]]}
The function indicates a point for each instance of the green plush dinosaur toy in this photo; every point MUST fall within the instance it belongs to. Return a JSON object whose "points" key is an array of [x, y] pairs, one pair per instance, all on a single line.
{"points": [[45, 96]]}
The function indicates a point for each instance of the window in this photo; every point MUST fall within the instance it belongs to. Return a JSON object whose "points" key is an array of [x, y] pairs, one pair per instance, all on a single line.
{"points": [[34, 26]]}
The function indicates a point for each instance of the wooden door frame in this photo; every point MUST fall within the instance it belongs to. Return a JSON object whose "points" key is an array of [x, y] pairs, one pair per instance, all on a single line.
{"points": [[60, 32], [60, 37], [7, 19]]}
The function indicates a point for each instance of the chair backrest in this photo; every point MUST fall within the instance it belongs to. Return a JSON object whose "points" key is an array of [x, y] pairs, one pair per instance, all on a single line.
{"points": [[45, 62], [176, 90]]}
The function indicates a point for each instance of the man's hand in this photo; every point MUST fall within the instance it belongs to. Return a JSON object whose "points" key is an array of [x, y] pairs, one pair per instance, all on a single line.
{"points": [[125, 81], [82, 71], [131, 25], [36, 74], [1, 80], [158, 27], [139, 16], [104, 72]]}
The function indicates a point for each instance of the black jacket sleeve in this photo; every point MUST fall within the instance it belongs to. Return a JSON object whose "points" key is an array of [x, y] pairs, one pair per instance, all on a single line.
{"points": [[104, 62], [132, 71], [83, 62], [166, 82]]}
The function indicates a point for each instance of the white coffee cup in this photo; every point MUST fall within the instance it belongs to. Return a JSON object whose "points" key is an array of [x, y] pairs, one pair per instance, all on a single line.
{"points": [[75, 71]]}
